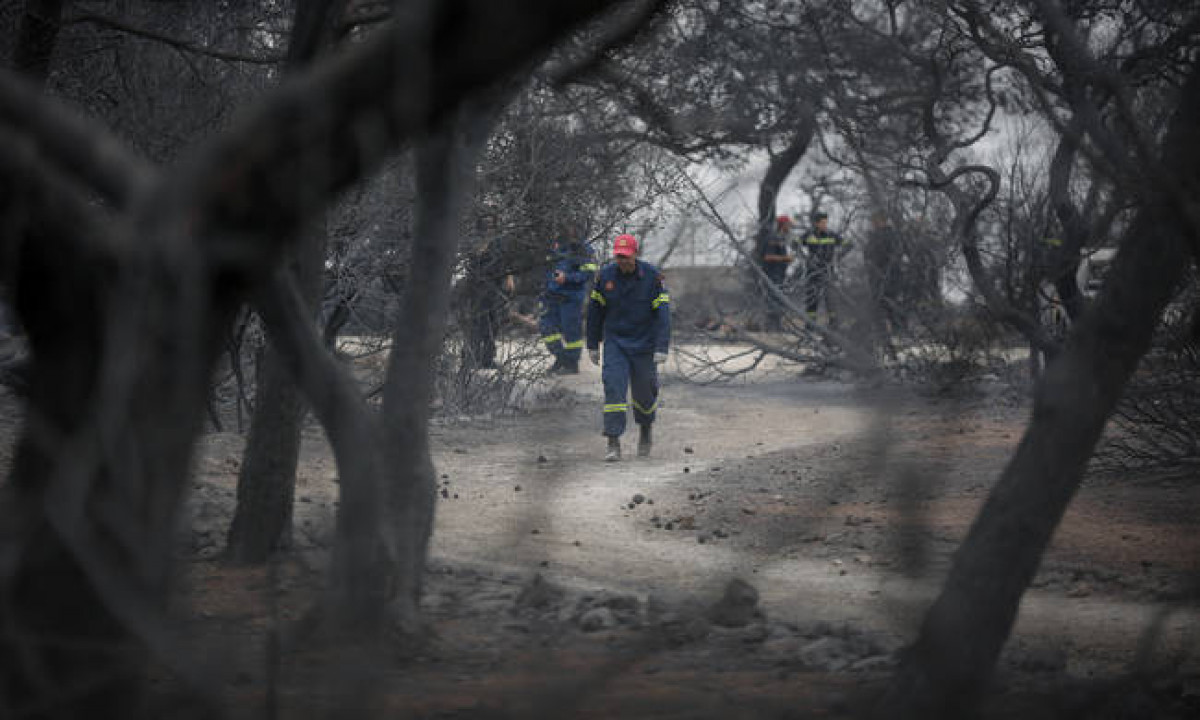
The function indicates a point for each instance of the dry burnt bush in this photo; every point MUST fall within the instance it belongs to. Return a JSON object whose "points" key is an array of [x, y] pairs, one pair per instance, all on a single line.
{"points": [[1156, 425]]}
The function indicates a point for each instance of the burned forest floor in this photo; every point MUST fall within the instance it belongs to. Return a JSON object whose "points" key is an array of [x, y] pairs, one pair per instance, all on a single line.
{"points": [[769, 560]]}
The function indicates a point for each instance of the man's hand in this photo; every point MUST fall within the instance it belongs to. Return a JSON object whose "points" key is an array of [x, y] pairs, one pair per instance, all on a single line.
{"points": [[594, 356], [660, 358]]}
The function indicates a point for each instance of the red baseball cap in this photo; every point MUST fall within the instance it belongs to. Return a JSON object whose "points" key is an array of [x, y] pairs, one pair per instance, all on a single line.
{"points": [[625, 245]]}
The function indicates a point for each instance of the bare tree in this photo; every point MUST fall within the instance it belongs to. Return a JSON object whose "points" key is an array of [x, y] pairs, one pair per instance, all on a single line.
{"points": [[945, 672], [267, 476], [126, 305]]}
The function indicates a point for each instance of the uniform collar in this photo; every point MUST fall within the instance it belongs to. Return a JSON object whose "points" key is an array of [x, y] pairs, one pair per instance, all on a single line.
{"points": [[638, 271]]}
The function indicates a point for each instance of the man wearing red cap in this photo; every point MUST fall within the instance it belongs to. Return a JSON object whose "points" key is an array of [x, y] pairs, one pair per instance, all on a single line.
{"points": [[630, 312], [775, 261]]}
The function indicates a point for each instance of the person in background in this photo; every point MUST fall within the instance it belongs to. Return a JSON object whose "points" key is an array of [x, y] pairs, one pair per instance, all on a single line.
{"points": [[1054, 265], [882, 256], [630, 313], [776, 258], [487, 287], [570, 268], [823, 248]]}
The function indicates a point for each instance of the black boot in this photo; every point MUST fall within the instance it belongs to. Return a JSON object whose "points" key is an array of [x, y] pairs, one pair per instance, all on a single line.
{"points": [[644, 440], [614, 449]]}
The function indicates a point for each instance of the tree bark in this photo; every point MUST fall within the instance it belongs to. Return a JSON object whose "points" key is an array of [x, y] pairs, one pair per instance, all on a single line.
{"points": [[266, 490], [945, 672], [379, 557], [37, 38], [1065, 260]]}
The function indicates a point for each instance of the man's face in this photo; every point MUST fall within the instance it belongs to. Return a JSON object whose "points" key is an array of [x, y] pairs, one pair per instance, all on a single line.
{"points": [[626, 263], [822, 224]]}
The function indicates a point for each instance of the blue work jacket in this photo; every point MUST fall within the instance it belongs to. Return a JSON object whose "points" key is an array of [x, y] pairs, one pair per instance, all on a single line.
{"points": [[633, 311], [824, 247], [577, 263]]}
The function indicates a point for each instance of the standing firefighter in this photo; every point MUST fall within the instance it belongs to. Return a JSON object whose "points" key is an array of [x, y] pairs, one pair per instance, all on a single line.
{"points": [[486, 289], [1053, 264], [822, 247], [571, 266], [882, 256], [775, 260], [630, 311]]}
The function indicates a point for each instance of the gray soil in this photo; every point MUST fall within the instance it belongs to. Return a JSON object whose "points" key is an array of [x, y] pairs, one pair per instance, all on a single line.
{"points": [[769, 559], [826, 513]]}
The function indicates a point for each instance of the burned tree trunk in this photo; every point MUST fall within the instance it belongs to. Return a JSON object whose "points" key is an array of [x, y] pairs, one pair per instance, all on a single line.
{"points": [[37, 38], [383, 533], [262, 522], [266, 487]]}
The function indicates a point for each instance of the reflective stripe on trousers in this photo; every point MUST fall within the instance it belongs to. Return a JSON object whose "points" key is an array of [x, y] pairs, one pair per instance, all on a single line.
{"points": [[632, 374], [561, 325]]}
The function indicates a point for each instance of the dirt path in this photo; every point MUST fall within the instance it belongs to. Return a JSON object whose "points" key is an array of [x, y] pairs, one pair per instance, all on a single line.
{"points": [[841, 506], [798, 487]]}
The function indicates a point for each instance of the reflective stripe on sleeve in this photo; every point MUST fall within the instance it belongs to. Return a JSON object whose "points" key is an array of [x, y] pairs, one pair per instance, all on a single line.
{"points": [[662, 299], [598, 297]]}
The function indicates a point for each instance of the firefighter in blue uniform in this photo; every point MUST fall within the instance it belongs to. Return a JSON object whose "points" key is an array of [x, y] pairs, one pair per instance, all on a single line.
{"points": [[571, 266], [630, 312], [776, 258], [823, 248]]}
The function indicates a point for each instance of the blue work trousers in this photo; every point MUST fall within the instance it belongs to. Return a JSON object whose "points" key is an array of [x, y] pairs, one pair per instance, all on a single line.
{"points": [[561, 325], [816, 287], [776, 272], [628, 373]]}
